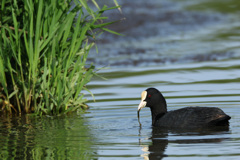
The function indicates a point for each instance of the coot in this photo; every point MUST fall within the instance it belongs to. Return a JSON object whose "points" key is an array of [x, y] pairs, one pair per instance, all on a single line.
{"points": [[181, 118]]}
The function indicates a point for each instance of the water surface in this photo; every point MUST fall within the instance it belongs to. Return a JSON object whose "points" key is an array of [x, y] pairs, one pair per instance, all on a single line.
{"points": [[189, 50], [114, 115]]}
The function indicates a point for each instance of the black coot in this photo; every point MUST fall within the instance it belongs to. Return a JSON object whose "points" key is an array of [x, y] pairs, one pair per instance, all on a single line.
{"points": [[187, 117]]}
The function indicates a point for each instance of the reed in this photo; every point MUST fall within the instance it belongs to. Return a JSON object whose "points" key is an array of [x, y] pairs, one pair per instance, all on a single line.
{"points": [[44, 48]]}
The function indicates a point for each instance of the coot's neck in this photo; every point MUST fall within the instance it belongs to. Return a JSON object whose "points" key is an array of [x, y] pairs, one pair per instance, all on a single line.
{"points": [[158, 110]]}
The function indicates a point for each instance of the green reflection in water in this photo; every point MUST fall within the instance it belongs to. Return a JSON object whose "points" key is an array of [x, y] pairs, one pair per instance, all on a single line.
{"points": [[230, 6], [64, 137]]}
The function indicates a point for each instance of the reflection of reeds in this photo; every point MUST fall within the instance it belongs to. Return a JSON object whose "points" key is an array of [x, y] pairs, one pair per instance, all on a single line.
{"points": [[51, 137], [44, 48]]}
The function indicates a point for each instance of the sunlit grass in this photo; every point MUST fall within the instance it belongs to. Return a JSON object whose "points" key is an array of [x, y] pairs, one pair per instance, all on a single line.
{"points": [[44, 48]]}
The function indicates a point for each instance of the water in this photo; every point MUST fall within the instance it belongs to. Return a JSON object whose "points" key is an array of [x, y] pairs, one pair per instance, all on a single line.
{"points": [[196, 84], [190, 52]]}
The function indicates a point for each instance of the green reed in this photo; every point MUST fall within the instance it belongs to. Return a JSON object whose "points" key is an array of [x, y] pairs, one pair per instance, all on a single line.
{"points": [[44, 48]]}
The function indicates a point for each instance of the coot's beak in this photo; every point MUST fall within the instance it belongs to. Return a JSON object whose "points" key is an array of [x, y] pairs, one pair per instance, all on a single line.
{"points": [[142, 103]]}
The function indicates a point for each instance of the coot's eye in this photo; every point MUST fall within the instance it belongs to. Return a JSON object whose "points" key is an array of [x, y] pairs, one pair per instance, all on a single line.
{"points": [[149, 96]]}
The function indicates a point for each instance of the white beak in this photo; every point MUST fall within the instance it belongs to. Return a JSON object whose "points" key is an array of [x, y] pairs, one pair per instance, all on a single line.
{"points": [[142, 103]]}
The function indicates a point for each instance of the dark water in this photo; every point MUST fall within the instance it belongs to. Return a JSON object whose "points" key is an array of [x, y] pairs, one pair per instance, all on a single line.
{"points": [[187, 49]]}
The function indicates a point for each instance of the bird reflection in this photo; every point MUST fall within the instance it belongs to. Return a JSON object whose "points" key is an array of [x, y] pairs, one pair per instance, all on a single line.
{"points": [[160, 139]]}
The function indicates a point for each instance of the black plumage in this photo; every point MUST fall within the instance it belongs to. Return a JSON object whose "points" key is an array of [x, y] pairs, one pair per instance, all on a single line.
{"points": [[188, 117]]}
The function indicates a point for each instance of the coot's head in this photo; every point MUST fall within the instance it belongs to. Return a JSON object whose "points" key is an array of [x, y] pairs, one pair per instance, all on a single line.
{"points": [[153, 98]]}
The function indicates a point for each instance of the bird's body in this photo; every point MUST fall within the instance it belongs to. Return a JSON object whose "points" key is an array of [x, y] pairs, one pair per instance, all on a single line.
{"points": [[188, 117], [191, 117]]}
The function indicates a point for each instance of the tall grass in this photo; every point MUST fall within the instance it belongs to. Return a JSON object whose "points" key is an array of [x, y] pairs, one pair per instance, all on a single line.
{"points": [[44, 48]]}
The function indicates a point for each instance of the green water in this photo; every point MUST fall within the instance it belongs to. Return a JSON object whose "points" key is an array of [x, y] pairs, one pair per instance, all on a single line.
{"points": [[29, 137], [189, 51]]}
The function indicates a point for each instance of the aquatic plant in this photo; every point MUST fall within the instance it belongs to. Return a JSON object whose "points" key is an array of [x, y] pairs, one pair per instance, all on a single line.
{"points": [[44, 45]]}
